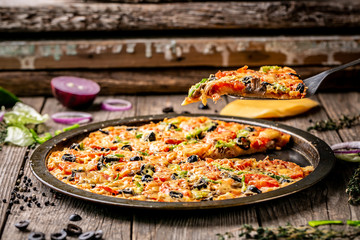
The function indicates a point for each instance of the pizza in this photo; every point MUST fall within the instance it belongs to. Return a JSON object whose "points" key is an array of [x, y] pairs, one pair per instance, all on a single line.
{"points": [[179, 159], [269, 82]]}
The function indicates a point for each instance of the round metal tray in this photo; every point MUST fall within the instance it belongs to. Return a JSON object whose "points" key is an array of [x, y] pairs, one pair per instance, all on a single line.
{"points": [[304, 149]]}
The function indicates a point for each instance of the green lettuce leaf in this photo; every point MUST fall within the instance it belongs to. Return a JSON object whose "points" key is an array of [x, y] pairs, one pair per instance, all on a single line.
{"points": [[19, 135], [22, 114]]}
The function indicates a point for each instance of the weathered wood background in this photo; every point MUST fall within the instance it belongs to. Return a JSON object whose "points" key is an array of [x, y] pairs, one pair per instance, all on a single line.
{"points": [[160, 46]]}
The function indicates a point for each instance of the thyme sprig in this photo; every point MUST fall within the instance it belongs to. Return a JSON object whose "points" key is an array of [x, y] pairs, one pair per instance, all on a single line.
{"points": [[353, 188], [344, 121], [2, 134], [291, 232]]}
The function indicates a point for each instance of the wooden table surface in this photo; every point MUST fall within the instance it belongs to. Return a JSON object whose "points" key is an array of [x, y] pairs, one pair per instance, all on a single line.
{"points": [[325, 200]]}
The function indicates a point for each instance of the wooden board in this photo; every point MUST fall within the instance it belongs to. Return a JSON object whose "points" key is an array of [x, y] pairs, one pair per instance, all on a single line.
{"points": [[163, 81], [325, 200], [143, 53], [39, 16]]}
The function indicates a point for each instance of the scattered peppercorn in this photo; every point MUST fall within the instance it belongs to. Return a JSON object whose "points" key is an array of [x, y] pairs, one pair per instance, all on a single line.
{"points": [[334, 124], [4, 200], [21, 207]]}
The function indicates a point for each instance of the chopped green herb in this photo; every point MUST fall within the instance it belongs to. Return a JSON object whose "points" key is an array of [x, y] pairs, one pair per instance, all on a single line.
{"points": [[117, 177], [222, 144], [353, 188], [316, 223], [143, 153], [343, 121], [139, 135]]}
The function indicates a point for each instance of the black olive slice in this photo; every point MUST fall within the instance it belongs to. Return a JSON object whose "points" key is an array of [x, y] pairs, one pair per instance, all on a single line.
{"points": [[68, 157], [213, 126], [99, 234], [75, 217], [147, 169], [146, 178], [73, 230], [136, 158], [202, 106], [126, 147], [175, 194], [59, 235], [300, 88], [127, 191], [150, 137], [243, 143], [193, 158], [104, 132], [36, 236], [171, 126], [87, 236], [22, 225], [131, 128], [236, 178], [75, 146], [174, 176], [250, 129], [200, 184], [254, 189], [246, 80], [294, 74], [111, 158], [168, 110]]}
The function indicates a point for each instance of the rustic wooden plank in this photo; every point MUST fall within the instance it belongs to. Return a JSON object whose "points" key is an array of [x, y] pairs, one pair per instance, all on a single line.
{"points": [[188, 15], [336, 105], [95, 216], [167, 80], [12, 159], [175, 51], [186, 224]]}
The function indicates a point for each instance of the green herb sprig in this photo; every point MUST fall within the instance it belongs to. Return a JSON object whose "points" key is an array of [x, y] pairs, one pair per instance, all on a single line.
{"points": [[291, 232], [353, 188], [344, 121]]}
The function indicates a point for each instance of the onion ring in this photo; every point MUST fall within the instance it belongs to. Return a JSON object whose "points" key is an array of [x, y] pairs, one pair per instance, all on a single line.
{"points": [[346, 145], [116, 105], [71, 117], [2, 113]]}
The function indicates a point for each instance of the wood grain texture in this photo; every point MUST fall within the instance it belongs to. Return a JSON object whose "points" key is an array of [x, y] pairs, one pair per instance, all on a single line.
{"points": [[191, 51], [167, 80], [115, 222], [12, 159], [186, 15], [337, 105]]}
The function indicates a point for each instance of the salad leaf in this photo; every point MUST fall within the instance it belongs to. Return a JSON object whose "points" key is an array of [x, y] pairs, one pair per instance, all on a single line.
{"points": [[19, 135], [22, 114]]}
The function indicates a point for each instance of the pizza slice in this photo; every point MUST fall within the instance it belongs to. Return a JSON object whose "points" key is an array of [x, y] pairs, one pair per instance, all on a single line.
{"points": [[269, 82]]}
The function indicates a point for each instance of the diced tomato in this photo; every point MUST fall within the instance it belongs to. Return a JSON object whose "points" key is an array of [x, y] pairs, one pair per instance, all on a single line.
{"points": [[259, 180], [113, 148], [173, 141], [259, 143], [108, 189], [66, 167], [243, 164]]}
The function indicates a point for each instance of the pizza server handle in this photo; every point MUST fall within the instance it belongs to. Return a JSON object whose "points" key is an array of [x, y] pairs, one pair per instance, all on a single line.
{"points": [[314, 82]]}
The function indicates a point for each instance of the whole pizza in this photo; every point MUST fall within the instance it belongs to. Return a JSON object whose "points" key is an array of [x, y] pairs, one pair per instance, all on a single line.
{"points": [[179, 159], [269, 82]]}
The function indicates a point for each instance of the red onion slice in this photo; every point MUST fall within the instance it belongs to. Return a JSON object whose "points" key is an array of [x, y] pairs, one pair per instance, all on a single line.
{"points": [[346, 145], [2, 113], [116, 105], [74, 92], [71, 117], [346, 151]]}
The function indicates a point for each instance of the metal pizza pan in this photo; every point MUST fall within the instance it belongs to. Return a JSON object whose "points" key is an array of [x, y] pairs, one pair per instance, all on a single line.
{"points": [[304, 149]]}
